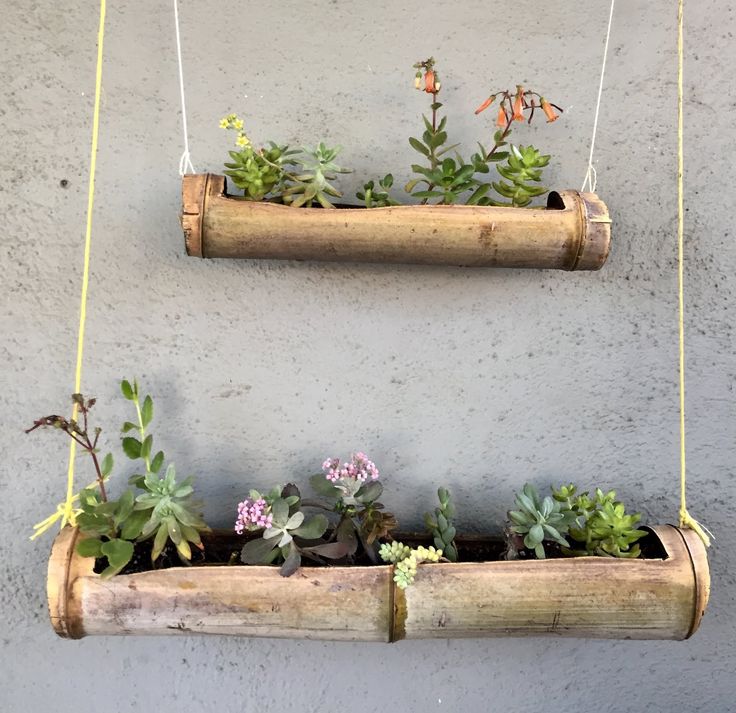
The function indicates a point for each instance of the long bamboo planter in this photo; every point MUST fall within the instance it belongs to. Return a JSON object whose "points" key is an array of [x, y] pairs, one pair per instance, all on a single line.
{"points": [[587, 597], [573, 233]]}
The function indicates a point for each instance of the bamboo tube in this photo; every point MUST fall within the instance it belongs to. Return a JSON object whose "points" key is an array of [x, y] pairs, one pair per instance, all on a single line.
{"points": [[587, 597], [573, 233]]}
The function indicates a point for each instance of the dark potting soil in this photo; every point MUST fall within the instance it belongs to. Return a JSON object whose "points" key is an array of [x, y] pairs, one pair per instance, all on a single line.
{"points": [[222, 548]]}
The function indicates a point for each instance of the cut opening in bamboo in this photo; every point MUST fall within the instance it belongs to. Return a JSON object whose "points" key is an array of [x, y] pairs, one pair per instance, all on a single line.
{"points": [[572, 233], [593, 597]]}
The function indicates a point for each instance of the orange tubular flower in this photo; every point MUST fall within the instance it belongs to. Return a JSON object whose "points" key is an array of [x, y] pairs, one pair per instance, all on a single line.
{"points": [[429, 86], [519, 104], [549, 112], [486, 104], [503, 120]]}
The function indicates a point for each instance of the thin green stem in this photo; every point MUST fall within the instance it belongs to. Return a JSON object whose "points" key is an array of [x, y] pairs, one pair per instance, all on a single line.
{"points": [[141, 430]]}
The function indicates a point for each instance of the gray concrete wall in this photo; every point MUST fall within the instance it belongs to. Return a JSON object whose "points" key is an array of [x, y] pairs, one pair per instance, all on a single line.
{"points": [[478, 379]]}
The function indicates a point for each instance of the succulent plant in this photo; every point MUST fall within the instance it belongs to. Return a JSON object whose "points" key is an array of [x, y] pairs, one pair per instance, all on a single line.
{"points": [[258, 172], [313, 184], [286, 532], [394, 552], [608, 531], [522, 170], [377, 196], [440, 525], [170, 514], [539, 520], [164, 510]]}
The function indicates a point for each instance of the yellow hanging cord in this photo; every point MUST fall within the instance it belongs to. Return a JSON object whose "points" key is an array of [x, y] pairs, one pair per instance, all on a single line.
{"points": [[686, 520], [66, 510]]}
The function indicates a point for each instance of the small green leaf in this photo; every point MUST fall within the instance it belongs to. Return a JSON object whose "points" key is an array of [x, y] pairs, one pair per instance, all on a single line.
{"points": [[147, 411], [128, 426], [417, 145], [133, 524], [347, 535], [146, 447], [369, 492], [313, 528], [330, 550], [132, 447], [257, 551], [292, 562], [323, 487], [157, 462], [124, 508], [159, 542], [127, 390], [280, 511], [89, 547], [295, 520], [106, 465], [118, 552]]}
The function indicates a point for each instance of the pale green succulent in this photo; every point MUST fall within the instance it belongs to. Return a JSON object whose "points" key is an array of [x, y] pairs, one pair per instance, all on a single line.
{"points": [[539, 520], [313, 183], [440, 525]]}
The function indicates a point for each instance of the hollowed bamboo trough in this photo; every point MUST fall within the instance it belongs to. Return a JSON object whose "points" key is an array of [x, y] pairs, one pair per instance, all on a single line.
{"points": [[662, 598], [572, 233]]}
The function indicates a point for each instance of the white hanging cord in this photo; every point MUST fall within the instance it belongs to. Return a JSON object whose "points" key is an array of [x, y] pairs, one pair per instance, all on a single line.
{"points": [[185, 162], [591, 176]]}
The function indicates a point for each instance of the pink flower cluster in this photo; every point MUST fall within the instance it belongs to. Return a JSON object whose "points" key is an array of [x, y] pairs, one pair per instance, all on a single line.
{"points": [[253, 514], [359, 468]]}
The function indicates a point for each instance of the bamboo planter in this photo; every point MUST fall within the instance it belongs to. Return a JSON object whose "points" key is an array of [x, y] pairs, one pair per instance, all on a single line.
{"points": [[573, 233], [593, 597]]}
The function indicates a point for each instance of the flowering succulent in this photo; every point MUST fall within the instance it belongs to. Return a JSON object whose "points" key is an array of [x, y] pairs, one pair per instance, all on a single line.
{"points": [[258, 172], [406, 560], [441, 527], [449, 180], [352, 490], [539, 520], [286, 533], [349, 477]]}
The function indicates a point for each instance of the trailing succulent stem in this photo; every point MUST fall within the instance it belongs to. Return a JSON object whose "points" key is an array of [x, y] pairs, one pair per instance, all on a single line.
{"points": [[440, 525], [406, 560]]}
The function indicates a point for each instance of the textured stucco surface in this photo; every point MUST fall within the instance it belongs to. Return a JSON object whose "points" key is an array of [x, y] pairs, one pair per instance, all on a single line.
{"points": [[481, 380]]}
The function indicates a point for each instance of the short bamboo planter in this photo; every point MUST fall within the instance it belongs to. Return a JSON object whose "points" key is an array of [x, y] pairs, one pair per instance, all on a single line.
{"points": [[573, 233], [593, 597]]}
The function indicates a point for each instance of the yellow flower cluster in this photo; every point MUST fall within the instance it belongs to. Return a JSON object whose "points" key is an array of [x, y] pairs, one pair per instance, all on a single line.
{"points": [[234, 122]]}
